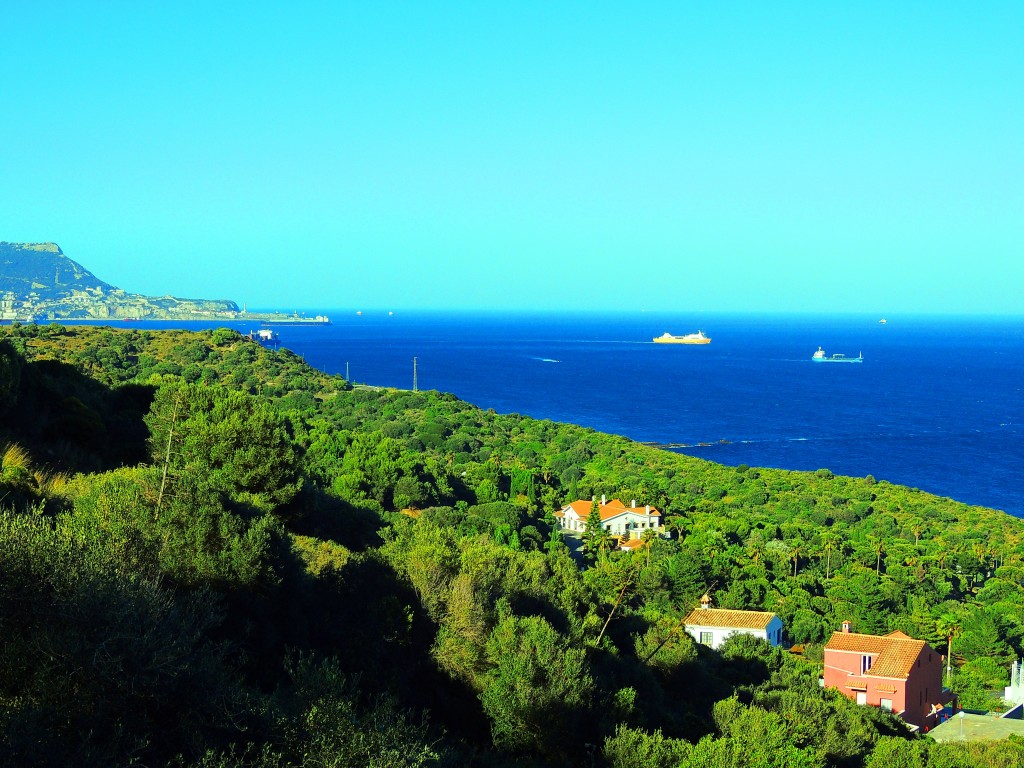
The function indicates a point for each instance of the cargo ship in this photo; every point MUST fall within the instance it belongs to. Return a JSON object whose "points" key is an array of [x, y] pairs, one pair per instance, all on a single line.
{"points": [[821, 357], [266, 337], [690, 338]]}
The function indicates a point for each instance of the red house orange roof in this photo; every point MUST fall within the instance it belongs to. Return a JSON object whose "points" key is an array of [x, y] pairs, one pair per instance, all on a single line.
{"points": [[895, 653]]}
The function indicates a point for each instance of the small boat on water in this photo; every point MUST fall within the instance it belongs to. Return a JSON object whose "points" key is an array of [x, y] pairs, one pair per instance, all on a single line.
{"points": [[821, 357], [690, 338]]}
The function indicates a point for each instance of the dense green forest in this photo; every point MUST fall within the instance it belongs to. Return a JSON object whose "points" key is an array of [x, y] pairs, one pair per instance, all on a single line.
{"points": [[213, 555]]}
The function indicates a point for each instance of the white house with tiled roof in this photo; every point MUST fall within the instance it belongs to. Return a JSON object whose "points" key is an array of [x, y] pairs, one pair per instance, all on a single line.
{"points": [[713, 626], [616, 518]]}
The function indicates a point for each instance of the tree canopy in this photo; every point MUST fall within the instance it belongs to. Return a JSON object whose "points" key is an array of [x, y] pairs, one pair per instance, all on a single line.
{"points": [[213, 555]]}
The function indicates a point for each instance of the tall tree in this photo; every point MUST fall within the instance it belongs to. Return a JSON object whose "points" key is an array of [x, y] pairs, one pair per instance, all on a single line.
{"points": [[538, 688], [237, 443], [948, 626]]}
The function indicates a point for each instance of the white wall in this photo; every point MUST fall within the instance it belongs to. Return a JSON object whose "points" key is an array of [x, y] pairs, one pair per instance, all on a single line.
{"points": [[772, 633]]}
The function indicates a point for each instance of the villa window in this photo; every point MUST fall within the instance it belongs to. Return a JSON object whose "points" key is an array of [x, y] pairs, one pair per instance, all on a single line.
{"points": [[885, 704], [706, 638]]}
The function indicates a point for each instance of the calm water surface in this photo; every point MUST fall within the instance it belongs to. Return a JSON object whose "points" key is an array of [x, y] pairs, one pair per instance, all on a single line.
{"points": [[936, 404]]}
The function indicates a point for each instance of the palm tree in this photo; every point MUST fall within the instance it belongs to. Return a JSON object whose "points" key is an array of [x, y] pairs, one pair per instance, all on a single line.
{"points": [[948, 625], [794, 553], [879, 546], [918, 529], [648, 537], [828, 544]]}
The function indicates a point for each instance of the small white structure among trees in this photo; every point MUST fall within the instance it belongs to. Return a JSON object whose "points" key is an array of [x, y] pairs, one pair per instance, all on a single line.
{"points": [[713, 626]]}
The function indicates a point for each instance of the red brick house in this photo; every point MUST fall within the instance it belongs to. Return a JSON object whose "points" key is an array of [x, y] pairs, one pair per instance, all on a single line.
{"points": [[894, 672]]}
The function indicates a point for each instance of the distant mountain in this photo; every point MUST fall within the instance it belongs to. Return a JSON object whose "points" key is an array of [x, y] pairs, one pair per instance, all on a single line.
{"points": [[43, 269], [38, 282]]}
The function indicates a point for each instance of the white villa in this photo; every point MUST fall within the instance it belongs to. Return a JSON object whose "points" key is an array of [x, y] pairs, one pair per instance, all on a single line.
{"points": [[713, 626], [618, 519]]}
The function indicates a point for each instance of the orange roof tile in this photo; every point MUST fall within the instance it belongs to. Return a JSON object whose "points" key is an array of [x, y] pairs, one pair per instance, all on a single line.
{"points": [[895, 653], [581, 508], [857, 643], [613, 508], [722, 617]]}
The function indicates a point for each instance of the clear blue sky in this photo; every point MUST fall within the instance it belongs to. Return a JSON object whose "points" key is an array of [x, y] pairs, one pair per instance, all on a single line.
{"points": [[677, 156]]}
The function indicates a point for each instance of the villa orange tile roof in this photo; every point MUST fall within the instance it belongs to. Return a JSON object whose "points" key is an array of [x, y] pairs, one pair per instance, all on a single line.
{"points": [[895, 653], [723, 617], [581, 508], [613, 508]]}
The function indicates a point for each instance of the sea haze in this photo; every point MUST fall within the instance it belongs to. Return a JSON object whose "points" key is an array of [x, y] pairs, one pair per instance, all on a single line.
{"points": [[935, 405]]}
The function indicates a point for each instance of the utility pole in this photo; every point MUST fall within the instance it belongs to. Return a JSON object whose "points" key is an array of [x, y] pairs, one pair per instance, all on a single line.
{"points": [[415, 387]]}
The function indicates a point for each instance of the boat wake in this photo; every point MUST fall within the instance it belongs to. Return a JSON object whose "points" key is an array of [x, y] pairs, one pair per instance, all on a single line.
{"points": [[857, 438]]}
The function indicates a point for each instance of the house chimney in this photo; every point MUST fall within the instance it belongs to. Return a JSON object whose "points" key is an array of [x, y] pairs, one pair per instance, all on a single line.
{"points": [[705, 602], [603, 502], [846, 627], [632, 504], [648, 509]]}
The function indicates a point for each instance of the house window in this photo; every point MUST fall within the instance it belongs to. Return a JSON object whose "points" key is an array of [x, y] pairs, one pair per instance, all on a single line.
{"points": [[865, 663], [706, 638], [885, 704]]}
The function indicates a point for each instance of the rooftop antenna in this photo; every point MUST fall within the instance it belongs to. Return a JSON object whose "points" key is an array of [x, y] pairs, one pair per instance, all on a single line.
{"points": [[415, 387]]}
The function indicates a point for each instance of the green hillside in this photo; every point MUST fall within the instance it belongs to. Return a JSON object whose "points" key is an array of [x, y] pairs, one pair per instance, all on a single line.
{"points": [[214, 555]]}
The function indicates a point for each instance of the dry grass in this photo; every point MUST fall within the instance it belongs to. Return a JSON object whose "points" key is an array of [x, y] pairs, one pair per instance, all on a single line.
{"points": [[15, 457], [16, 465]]}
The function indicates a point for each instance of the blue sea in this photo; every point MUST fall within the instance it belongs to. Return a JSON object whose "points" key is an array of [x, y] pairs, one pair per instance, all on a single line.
{"points": [[936, 404]]}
